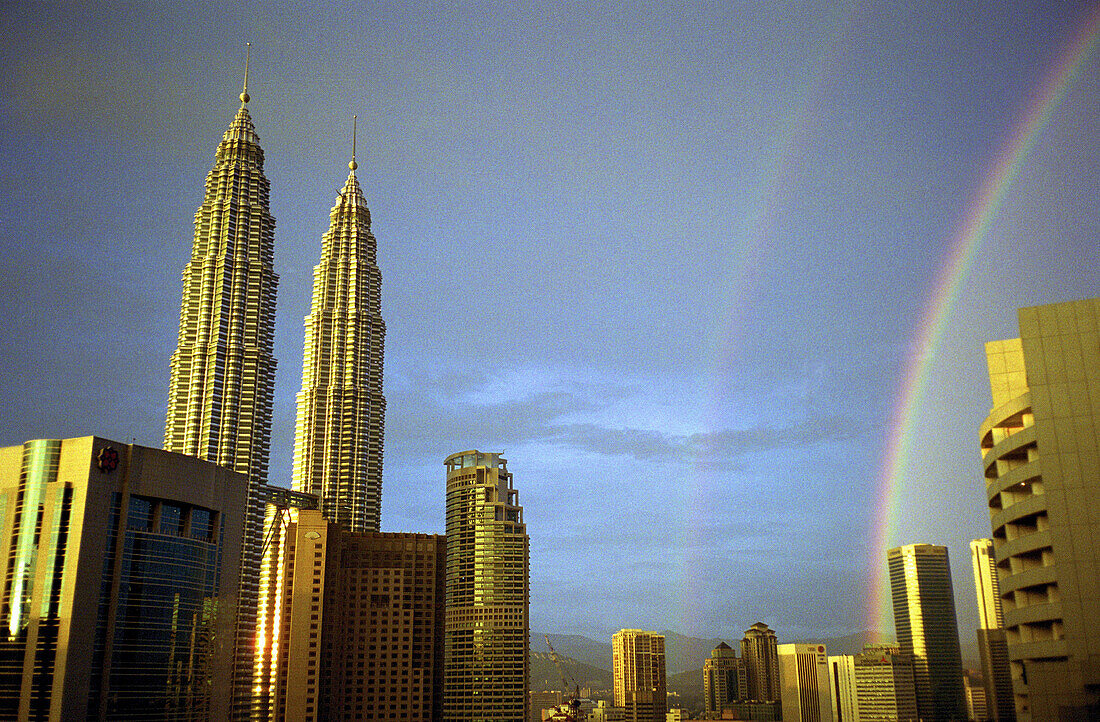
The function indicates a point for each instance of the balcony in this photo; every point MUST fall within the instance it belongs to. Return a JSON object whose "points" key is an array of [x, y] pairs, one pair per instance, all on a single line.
{"points": [[1033, 614], [1031, 505], [1026, 543], [1014, 449]]}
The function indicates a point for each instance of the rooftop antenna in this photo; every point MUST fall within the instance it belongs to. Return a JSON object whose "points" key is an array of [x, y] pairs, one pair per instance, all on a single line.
{"points": [[354, 126], [244, 91]]}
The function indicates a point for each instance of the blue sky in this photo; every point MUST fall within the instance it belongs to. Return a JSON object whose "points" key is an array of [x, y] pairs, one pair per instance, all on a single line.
{"points": [[671, 258]]}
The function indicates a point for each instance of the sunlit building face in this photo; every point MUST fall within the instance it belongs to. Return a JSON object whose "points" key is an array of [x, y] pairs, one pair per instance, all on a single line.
{"points": [[486, 644]]}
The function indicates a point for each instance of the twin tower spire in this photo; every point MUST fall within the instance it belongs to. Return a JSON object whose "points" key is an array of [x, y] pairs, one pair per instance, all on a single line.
{"points": [[223, 371]]}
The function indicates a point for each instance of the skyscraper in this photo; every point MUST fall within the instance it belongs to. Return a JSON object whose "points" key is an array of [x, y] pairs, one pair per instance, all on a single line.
{"points": [[639, 674], [758, 649], [926, 626], [486, 643], [341, 410], [725, 679], [1041, 455], [992, 642], [223, 370], [120, 582], [805, 694]]}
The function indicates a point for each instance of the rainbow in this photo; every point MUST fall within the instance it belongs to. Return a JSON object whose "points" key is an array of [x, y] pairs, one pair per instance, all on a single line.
{"points": [[980, 214]]}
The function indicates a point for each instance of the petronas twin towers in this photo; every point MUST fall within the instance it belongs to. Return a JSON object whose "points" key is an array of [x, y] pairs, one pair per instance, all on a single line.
{"points": [[223, 371], [341, 410]]}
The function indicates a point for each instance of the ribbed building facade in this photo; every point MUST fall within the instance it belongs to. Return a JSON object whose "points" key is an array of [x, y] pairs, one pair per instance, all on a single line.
{"points": [[341, 410], [487, 625], [927, 628], [641, 687], [804, 690], [223, 370], [1041, 455]]}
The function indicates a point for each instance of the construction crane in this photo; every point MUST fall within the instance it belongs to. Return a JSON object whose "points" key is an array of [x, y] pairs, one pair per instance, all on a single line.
{"points": [[570, 710]]}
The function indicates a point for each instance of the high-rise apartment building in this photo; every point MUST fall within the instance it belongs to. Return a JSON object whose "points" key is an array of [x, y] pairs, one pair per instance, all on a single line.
{"points": [[354, 626], [486, 645], [992, 642], [223, 370], [758, 650], [927, 629], [120, 582], [805, 694], [1041, 456], [341, 410], [725, 679], [638, 659]]}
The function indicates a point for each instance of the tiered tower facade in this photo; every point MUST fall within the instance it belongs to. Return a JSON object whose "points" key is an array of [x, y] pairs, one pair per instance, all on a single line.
{"points": [[341, 410], [223, 370]]}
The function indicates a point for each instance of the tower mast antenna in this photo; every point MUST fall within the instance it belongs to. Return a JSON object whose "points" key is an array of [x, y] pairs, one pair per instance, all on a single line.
{"points": [[354, 127], [247, 54]]}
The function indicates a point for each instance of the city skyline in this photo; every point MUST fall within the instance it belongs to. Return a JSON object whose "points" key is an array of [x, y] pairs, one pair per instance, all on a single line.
{"points": [[711, 258]]}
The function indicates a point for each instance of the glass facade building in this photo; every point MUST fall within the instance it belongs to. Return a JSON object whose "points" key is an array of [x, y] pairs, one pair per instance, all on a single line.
{"points": [[120, 582], [486, 640]]}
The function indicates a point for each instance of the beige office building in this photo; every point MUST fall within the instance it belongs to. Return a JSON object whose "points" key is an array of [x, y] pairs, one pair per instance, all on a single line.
{"points": [[885, 687], [351, 627], [1041, 455], [638, 658], [804, 690], [486, 647], [341, 410], [120, 582]]}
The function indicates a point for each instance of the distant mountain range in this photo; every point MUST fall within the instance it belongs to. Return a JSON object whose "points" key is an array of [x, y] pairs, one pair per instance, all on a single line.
{"points": [[587, 664], [682, 653]]}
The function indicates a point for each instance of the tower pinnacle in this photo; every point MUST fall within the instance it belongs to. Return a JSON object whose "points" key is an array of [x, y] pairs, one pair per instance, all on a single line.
{"points": [[353, 165], [244, 91]]}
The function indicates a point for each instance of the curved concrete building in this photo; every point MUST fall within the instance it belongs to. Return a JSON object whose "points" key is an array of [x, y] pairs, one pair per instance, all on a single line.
{"points": [[1041, 457]]}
